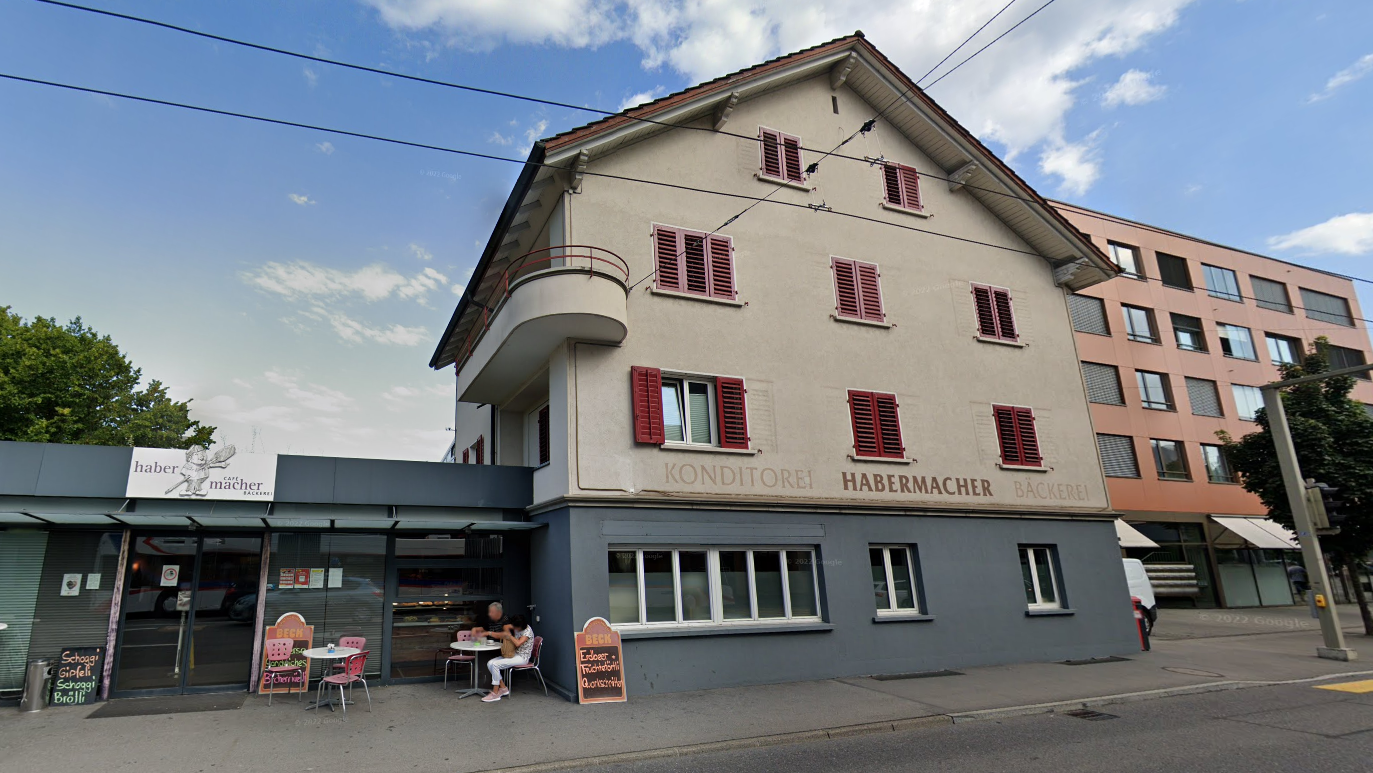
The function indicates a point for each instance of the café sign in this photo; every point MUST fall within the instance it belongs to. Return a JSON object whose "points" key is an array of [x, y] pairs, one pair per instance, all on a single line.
{"points": [[201, 473]]}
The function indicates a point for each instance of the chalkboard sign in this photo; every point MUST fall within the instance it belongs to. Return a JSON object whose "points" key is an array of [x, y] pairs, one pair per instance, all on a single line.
{"points": [[600, 664], [289, 626], [77, 679]]}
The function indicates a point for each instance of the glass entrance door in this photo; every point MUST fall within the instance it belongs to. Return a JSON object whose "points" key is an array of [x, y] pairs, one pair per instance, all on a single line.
{"points": [[188, 613]]}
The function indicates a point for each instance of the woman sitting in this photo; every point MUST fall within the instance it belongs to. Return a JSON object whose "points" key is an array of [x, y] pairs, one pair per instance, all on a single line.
{"points": [[522, 636]]}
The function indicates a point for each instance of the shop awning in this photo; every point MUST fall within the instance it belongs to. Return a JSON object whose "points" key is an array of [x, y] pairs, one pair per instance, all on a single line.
{"points": [[1130, 537], [1262, 533], [231, 515]]}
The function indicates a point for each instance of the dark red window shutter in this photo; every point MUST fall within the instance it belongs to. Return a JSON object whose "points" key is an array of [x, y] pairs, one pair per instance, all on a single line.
{"points": [[646, 384], [986, 311], [721, 267], [1005, 315], [772, 153], [1015, 430], [544, 449], [667, 258], [466, 456], [869, 292], [733, 412], [910, 188], [481, 449], [888, 426], [846, 289], [1029, 438], [891, 183], [791, 152], [694, 261], [863, 415]]}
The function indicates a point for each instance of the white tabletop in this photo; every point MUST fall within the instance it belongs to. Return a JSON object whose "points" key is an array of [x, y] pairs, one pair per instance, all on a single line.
{"points": [[473, 646], [3, 626], [323, 652]]}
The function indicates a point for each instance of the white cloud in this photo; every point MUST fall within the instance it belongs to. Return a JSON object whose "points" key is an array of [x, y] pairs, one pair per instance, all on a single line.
{"points": [[222, 409], [1077, 164], [311, 77], [635, 100], [1350, 234], [354, 331], [1344, 77], [1133, 88], [376, 282], [500, 139], [534, 132], [399, 397], [422, 253], [1018, 93], [301, 199], [316, 397], [327, 148]]}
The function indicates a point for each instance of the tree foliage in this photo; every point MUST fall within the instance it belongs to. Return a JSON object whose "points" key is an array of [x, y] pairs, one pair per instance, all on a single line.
{"points": [[69, 384]]}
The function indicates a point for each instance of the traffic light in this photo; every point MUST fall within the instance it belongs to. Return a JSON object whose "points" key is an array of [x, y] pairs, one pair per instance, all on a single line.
{"points": [[1330, 499], [1324, 504]]}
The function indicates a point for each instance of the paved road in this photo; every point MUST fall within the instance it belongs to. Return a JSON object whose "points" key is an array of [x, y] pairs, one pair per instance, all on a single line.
{"points": [[1289, 728]]}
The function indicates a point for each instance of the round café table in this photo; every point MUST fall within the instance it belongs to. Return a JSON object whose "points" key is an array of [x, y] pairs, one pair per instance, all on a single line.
{"points": [[323, 653], [476, 648]]}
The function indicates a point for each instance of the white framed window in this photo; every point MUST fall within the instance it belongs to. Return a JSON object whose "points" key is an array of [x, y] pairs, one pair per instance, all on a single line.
{"points": [[689, 411], [1037, 566], [705, 586], [895, 581], [1248, 401]]}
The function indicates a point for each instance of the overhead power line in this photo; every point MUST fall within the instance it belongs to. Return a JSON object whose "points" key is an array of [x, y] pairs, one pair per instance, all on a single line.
{"points": [[989, 45]]}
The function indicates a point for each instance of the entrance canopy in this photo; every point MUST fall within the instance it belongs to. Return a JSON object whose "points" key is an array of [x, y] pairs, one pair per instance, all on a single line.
{"points": [[37, 512], [1262, 533], [1130, 537]]}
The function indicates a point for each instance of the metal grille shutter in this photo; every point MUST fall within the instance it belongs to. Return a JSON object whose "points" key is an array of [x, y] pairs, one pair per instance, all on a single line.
{"points": [[1326, 308], [1118, 456], [1089, 314], [82, 620], [21, 564], [1270, 295], [1204, 396], [1103, 383]]}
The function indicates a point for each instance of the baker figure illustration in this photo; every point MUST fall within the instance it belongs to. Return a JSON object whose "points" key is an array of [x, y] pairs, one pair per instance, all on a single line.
{"points": [[197, 468]]}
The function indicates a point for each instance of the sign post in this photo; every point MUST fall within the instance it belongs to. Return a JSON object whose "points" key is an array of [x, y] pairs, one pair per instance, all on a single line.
{"points": [[600, 664], [289, 626]]}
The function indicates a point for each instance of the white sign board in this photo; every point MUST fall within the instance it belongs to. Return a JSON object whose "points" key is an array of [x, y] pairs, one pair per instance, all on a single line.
{"points": [[200, 473]]}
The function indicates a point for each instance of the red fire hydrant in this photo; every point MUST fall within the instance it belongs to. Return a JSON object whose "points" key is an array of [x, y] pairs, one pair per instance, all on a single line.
{"points": [[1140, 623]]}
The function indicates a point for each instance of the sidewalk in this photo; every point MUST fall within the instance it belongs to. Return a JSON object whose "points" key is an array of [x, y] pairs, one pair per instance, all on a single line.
{"points": [[421, 728]]}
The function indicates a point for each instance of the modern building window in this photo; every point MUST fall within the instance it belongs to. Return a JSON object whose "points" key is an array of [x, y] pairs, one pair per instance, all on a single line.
{"points": [[689, 586], [1343, 357], [1204, 396], [1283, 350], [1217, 466], [1139, 324], [1326, 308], [1037, 568], [1188, 333], [693, 262], [1170, 459], [680, 408], [1127, 258], [781, 156], [1118, 458], [1016, 436], [1270, 295], [876, 421], [1088, 314], [901, 186], [857, 290], [1103, 383], [1222, 283], [1236, 341], [1154, 390], [995, 314], [895, 580], [1173, 271], [1248, 401]]}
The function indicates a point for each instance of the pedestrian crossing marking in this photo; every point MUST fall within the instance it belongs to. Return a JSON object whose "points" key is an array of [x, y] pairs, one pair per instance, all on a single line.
{"points": [[1360, 687]]}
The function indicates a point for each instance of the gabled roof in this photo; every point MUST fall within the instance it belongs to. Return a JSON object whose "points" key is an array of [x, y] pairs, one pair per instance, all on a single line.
{"points": [[851, 60]]}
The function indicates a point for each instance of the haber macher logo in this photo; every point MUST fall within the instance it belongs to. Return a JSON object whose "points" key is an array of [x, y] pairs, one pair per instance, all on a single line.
{"points": [[197, 473]]}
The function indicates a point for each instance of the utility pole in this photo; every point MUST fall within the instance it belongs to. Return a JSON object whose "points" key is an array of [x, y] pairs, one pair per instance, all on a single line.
{"points": [[1292, 480]]}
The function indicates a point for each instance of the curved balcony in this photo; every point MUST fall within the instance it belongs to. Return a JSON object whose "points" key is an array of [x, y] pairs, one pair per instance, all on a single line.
{"points": [[542, 298]]}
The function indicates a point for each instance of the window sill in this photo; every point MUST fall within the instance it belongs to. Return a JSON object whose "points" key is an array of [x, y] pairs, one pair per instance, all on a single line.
{"points": [[903, 210], [1150, 341], [542, 465], [1225, 482], [1241, 359], [760, 177], [1176, 287], [1167, 409], [881, 459], [1022, 468], [695, 297], [903, 617], [854, 321], [1198, 351], [1001, 341], [704, 449], [1050, 612], [1225, 297], [1174, 480], [723, 630]]}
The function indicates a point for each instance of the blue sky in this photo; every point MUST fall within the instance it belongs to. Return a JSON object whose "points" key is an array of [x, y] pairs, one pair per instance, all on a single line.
{"points": [[294, 283]]}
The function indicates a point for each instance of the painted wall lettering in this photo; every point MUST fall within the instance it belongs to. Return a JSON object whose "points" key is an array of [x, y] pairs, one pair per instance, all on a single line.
{"points": [[736, 476]]}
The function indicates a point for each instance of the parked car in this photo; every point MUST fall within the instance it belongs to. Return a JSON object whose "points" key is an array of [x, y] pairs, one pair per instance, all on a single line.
{"points": [[1140, 587]]}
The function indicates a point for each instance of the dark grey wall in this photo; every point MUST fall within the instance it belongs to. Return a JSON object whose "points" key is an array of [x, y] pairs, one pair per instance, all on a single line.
{"points": [[972, 586], [551, 593]]}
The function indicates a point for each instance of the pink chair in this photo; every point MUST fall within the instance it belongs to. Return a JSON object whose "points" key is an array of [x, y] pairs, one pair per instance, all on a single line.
{"points": [[532, 665], [352, 673], [279, 650], [458, 658], [350, 642]]}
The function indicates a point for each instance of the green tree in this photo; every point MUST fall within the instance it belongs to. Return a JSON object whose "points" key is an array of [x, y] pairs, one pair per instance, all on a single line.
{"points": [[1334, 439], [69, 384]]}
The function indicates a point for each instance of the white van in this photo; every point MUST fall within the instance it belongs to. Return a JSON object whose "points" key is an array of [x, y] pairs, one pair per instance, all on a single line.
{"points": [[1141, 588]]}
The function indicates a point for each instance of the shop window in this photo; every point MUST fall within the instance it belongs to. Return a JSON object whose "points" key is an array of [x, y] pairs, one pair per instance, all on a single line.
{"points": [[1038, 568], [711, 586], [895, 580]]}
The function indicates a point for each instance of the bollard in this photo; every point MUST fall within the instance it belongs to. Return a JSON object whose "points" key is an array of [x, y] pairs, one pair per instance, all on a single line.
{"points": [[37, 681], [1139, 623]]}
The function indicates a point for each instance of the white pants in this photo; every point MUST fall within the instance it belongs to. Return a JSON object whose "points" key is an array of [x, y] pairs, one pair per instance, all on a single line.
{"points": [[496, 665]]}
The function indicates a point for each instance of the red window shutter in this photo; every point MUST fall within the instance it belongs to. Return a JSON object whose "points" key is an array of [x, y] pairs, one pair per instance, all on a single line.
{"points": [[863, 415], [910, 187], [1006, 434], [721, 267], [1005, 315], [733, 412], [888, 426], [869, 292], [846, 289], [1029, 439], [772, 153], [891, 183], [986, 311], [791, 152], [481, 449], [667, 258], [544, 449], [694, 261], [647, 388], [466, 456]]}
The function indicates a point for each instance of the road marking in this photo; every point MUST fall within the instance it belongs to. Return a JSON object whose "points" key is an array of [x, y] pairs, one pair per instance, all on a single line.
{"points": [[1359, 687]]}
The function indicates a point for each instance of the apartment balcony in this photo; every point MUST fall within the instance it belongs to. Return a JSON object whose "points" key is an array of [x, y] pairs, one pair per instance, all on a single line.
{"points": [[543, 298]]}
